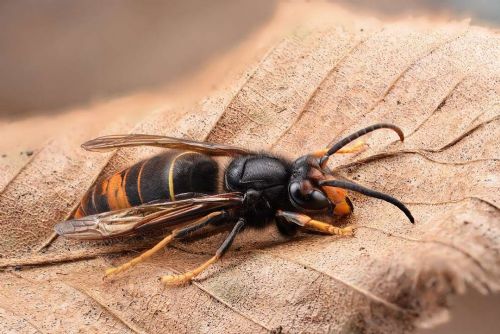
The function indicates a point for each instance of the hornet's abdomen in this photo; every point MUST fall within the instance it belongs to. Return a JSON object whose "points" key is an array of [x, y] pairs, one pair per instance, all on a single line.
{"points": [[160, 178]]}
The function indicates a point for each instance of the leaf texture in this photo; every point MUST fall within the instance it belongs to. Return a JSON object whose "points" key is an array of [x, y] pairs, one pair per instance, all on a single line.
{"points": [[439, 83]]}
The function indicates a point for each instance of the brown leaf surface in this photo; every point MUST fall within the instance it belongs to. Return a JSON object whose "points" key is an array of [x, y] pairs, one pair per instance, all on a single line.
{"points": [[439, 83]]}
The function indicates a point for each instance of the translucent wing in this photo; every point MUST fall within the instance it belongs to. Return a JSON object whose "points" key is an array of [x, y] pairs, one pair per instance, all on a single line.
{"points": [[106, 143], [131, 221]]}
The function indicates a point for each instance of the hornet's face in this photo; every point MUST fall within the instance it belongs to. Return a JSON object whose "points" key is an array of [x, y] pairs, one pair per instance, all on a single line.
{"points": [[307, 195]]}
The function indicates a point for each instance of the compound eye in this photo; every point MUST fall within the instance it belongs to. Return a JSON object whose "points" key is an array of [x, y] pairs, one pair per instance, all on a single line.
{"points": [[312, 200]]}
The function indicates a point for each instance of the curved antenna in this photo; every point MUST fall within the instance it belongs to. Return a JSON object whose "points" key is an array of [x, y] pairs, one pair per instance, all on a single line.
{"points": [[356, 135], [368, 192]]}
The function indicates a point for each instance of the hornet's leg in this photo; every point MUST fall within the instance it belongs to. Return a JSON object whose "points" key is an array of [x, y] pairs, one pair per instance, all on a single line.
{"points": [[358, 146], [176, 234], [314, 225], [187, 276]]}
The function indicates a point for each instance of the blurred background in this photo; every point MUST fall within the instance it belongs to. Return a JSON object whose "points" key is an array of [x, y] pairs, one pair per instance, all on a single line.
{"points": [[57, 54], [62, 62]]}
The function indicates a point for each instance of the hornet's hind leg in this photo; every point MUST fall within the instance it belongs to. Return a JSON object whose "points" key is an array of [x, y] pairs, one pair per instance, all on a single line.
{"points": [[187, 276], [176, 234]]}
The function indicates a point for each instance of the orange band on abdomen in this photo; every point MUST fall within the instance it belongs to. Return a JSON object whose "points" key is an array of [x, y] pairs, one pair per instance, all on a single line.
{"points": [[116, 195]]}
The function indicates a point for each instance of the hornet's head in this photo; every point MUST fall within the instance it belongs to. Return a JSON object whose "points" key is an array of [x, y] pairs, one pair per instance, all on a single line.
{"points": [[307, 194], [312, 188]]}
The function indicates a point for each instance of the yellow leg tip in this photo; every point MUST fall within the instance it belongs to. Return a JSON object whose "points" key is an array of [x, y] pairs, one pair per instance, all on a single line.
{"points": [[176, 279], [346, 231], [110, 272]]}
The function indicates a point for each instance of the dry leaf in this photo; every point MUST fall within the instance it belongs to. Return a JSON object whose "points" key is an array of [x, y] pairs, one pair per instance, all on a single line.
{"points": [[439, 83]]}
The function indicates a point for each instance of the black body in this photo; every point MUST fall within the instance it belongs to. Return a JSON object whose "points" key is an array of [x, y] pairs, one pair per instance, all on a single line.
{"points": [[263, 179]]}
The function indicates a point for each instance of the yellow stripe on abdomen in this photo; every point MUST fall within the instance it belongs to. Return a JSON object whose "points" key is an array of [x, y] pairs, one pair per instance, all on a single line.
{"points": [[171, 189]]}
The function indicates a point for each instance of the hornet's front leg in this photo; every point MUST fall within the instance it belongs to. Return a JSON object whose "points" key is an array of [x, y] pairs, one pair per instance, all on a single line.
{"points": [[314, 225]]}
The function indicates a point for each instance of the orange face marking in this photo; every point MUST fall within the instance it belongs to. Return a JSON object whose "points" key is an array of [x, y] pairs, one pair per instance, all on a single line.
{"points": [[342, 208], [338, 197]]}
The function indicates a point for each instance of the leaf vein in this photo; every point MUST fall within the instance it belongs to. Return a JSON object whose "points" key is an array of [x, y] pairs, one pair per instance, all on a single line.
{"points": [[351, 286], [316, 90], [102, 304]]}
